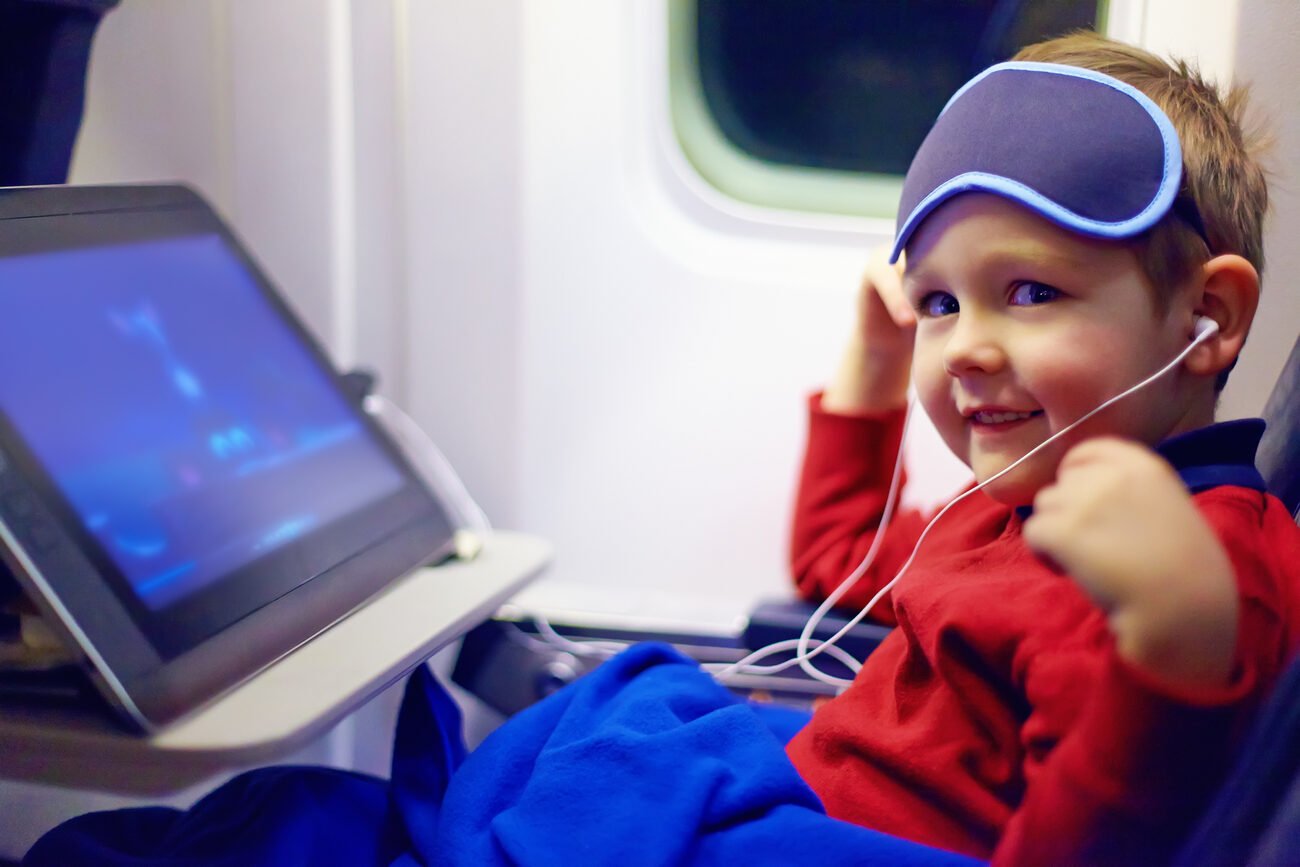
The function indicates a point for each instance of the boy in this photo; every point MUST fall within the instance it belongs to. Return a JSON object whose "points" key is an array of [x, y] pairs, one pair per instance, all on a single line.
{"points": [[1078, 643]]}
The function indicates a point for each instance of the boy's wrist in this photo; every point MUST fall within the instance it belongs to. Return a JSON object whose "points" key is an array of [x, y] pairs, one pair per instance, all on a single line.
{"points": [[1181, 629], [1187, 639]]}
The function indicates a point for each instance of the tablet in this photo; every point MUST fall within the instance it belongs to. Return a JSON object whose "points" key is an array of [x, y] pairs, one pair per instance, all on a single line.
{"points": [[186, 490]]}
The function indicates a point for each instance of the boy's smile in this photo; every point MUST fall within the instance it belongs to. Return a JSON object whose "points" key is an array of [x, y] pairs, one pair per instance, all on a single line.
{"points": [[1024, 327]]}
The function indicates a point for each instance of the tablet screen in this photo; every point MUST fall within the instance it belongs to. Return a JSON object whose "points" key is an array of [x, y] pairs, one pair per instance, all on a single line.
{"points": [[220, 444]]}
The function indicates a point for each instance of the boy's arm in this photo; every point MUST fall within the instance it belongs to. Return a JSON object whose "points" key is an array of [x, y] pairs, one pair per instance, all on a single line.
{"points": [[1131, 774], [854, 436], [841, 496]]}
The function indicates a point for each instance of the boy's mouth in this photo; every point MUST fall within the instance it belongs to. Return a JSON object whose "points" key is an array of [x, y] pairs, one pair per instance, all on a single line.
{"points": [[999, 419]]}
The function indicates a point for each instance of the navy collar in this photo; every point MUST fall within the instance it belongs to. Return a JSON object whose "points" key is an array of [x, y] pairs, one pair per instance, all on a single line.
{"points": [[1218, 454]]}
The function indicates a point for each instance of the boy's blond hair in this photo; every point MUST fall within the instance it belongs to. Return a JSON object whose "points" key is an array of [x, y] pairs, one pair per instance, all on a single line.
{"points": [[1221, 169]]}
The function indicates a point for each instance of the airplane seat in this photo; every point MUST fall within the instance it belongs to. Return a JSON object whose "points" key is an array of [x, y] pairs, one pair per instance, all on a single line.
{"points": [[1278, 457]]}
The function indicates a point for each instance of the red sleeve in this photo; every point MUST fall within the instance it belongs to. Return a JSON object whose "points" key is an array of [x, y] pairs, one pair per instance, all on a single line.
{"points": [[1127, 784], [847, 466], [1128, 779]]}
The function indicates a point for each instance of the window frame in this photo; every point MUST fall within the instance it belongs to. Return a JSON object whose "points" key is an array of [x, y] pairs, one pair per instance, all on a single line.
{"points": [[729, 170]]}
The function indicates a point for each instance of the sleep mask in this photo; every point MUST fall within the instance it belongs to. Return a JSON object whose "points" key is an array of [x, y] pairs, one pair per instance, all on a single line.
{"points": [[1082, 149]]}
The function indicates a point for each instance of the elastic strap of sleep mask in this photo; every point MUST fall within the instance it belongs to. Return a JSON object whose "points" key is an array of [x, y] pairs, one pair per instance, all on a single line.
{"points": [[1081, 148]]}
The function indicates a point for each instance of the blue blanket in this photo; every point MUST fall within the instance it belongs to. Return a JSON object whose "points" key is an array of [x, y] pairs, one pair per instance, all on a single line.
{"points": [[646, 761]]}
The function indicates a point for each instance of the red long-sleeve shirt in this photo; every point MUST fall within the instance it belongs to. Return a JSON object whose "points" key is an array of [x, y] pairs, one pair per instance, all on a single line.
{"points": [[997, 719]]}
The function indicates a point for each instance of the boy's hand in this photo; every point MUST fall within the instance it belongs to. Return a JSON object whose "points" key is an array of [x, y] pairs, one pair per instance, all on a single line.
{"points": [[1120, 522], [874, 373], [886, 320]]}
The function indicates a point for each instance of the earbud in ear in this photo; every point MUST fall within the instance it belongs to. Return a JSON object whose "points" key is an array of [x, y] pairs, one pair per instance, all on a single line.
{"points": [[1204, 327]]}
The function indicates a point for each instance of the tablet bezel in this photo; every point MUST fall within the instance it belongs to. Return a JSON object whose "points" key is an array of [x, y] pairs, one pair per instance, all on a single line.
{"points": [[65, 573]]}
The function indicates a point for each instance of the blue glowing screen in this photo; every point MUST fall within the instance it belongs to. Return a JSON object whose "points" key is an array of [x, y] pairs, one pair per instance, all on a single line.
{"points": [[177, 413]]}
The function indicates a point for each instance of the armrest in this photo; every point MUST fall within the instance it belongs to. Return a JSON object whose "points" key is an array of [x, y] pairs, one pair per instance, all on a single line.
{"points": [[776, 620]]}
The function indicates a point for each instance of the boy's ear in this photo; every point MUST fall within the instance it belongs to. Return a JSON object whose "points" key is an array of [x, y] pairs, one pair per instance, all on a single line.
{"points": [[1227, 291]]}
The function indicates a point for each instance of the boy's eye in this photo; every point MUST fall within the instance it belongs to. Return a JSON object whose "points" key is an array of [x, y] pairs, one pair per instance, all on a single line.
{"points": [[1029, 293], [937, 304]]}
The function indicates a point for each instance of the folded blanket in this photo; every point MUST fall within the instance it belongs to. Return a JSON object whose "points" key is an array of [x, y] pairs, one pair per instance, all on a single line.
{"points": [[646, 761]]}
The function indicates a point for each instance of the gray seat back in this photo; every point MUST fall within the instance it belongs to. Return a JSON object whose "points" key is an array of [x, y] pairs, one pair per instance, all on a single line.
{"points": [[1278, 457]]}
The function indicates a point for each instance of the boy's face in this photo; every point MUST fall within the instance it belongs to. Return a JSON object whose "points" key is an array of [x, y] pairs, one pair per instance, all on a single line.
{"points": [[1024, 327]]}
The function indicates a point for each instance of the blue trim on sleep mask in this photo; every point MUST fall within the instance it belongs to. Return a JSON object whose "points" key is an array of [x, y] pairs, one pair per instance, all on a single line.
{"points": [[1084, 150]]}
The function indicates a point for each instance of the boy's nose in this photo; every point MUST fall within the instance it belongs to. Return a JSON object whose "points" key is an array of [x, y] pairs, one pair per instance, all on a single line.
{"points": [[973, 348]]}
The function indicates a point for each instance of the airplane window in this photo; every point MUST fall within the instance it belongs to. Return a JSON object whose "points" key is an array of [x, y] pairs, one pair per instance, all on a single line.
{"points": [[844, 89]]}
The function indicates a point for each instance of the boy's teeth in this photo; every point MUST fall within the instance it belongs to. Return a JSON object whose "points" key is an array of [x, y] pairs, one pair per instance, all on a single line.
{"points": [[999, 417]]}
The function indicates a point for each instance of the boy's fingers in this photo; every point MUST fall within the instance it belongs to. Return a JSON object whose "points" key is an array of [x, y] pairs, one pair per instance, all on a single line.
{"points": [[885, 281], [1050, 562], [903, 314], [1041, 537], [1087, 452], [890, 292], [1053, 497], [1057, 547]]}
